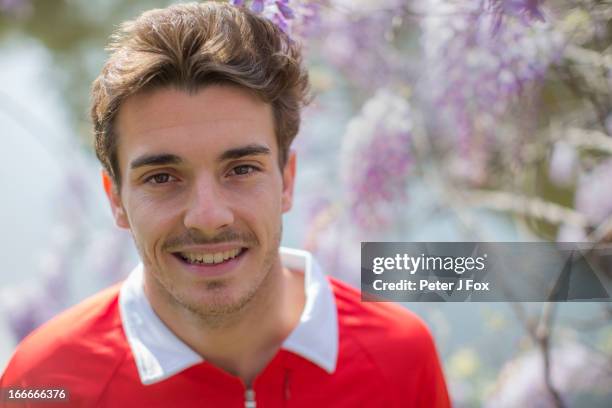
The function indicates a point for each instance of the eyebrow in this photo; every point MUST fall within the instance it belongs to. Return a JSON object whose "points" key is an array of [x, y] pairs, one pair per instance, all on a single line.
{"points": [[155, 160], [248, 150]]}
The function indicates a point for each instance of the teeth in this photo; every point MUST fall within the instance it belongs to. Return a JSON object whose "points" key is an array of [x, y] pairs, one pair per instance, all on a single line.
{"points": [[214, 258]]}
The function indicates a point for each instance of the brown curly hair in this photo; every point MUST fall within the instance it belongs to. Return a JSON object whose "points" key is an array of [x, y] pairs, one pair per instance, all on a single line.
{"points": [[190, 46]]}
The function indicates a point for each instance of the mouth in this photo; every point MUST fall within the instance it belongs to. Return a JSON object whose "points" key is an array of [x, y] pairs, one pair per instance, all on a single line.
{"points": [[210, 258]]}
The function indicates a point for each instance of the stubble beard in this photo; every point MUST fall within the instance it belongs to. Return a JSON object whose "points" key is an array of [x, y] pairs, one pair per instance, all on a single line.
{"points": [[216, 308]]}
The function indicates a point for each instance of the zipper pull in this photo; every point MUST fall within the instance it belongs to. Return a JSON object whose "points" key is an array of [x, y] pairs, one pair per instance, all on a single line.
{"points": [[249, 399]]}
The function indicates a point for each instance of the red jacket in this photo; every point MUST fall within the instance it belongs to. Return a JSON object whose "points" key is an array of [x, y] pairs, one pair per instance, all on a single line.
{"points": [[385, 358]]}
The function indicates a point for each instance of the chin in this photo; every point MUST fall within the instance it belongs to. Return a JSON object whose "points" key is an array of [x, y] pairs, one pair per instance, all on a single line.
{"points": [[217, 299]]}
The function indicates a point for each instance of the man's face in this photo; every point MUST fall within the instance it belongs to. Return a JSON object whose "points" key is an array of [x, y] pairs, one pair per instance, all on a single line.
{"points": [[202, 194]]}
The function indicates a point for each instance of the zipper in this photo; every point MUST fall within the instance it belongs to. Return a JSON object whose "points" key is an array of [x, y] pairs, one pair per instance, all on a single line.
{"points": [[249, 399], [286, 385]]}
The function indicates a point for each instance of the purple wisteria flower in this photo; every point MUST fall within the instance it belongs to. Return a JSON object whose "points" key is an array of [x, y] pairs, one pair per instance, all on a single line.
{"points": [[31, 304], [76, 246], [356, 37], [16, 8], [563, 164], [292, 16], [376, 158], [526, 10], [332, 234], [574, 369], [476, 69], [593, 199]]}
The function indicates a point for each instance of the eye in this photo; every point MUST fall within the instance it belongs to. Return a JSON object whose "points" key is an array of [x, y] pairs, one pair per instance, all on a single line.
{"points": [[160, 178], [243, 170]]}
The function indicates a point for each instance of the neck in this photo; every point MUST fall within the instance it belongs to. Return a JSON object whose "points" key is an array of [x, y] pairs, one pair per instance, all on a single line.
{"points": [[243, 342]]}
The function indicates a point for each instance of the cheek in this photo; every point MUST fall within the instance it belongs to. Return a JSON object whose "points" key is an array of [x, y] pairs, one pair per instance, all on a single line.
{"points": [[260, 208], [149, 219], [262, 190], [269, 201]]}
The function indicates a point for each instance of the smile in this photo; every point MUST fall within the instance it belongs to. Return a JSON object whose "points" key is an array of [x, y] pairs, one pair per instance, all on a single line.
{"points": [[209, 258]]}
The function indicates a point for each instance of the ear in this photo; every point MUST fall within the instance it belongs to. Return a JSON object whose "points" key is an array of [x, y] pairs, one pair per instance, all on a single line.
{"points": [[289, 181], [112, 192]]}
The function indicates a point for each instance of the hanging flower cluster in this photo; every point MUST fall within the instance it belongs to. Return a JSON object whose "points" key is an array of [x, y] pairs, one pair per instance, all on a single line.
{"points": [[575, 369], [476, 66], [293, 17], [525, 10], [376, 158], [357, 38], [592, 198]]}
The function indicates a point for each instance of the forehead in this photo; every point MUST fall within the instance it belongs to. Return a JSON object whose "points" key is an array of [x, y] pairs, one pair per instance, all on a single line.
{"points": [[211, 119]]}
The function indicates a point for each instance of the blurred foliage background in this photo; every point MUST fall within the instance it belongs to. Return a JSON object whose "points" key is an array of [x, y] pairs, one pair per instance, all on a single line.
{"points": [[434, 120]]}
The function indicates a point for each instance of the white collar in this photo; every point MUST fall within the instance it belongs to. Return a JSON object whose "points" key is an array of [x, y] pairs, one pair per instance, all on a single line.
{"points": [[159, 354]]}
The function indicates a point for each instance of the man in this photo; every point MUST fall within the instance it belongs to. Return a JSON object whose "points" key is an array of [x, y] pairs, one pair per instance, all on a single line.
{"points": [[194, 114]]}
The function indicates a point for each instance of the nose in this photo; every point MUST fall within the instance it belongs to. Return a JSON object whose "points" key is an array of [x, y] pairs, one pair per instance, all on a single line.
{"points": [[207, 209]]}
